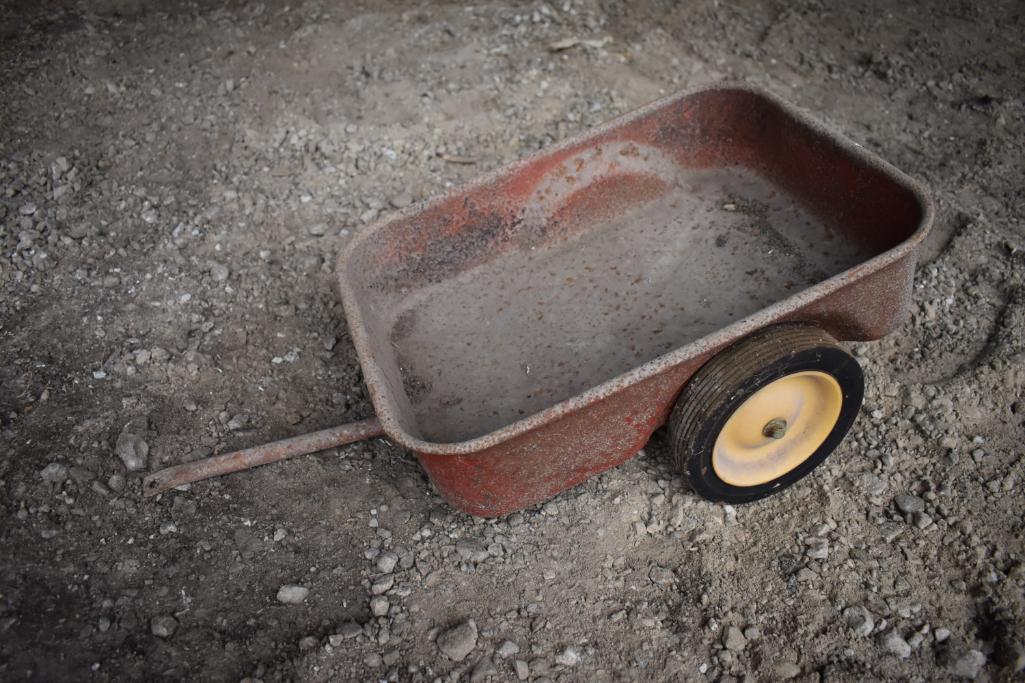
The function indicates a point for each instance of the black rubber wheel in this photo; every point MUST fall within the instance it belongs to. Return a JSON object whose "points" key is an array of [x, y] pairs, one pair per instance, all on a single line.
{"points": [[717, 434]]}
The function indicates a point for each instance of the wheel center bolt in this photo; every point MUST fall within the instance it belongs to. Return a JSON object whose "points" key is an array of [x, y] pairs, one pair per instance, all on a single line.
{"points": [[775, 428]]}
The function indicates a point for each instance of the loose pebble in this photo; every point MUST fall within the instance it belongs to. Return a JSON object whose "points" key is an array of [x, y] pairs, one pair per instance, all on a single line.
{"points": [[457, 642], [893, 643], [293, 595], [568, 657], [163, 626], [349, 629], [472, 551], [733, 639], [507, 649], [909, 504], [386, 563], [133, 451], [219, 272], [968, 665], [382, 584], [859, 621], [54, 473], [787, 670], [379, 606], [817, 548]]}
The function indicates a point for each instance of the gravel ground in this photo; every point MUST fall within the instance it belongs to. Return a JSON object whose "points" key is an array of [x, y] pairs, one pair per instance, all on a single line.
{"points": [[175, 179]]}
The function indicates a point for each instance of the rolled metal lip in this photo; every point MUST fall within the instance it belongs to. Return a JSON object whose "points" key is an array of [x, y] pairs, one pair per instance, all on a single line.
{"points": [[383, 402]]}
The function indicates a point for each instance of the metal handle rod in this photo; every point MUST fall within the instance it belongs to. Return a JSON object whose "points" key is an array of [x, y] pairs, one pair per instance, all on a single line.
{"points": [[260, 455]]}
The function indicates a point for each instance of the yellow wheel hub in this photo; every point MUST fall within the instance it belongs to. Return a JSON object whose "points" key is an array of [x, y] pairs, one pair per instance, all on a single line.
{"points": [[777, 429]]}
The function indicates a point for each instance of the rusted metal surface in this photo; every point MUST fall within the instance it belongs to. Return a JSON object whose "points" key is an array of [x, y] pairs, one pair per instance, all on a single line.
{"points": [[484, 332], [260, 455]]}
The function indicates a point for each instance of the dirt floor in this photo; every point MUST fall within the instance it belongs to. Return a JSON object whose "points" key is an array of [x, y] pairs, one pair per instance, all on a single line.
{"points": [[175, 181]]}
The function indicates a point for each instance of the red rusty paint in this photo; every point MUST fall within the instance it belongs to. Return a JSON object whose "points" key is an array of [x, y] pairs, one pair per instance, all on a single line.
{"points": [[538, 464], [531, 459]]}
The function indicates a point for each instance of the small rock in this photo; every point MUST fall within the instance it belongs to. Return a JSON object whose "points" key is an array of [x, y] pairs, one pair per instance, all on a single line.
{"points": [[507, 649], [522, 670], [458, 641], [890, 531], [307, 643], [133, 451], [379, 606], [237, 422], [164, 626], [570, 657], [116, 482], [661, 576], [787, 670], [483, 670], [909, 504], [382, 584], [472, 551], [386, 563], [893, 643], [401, 201], [219, 272], [859, 620], [349, 629], [54, 473], [292, 594], [818, 548], [874, 485], [318, 229], [968, 664], [733, 639], [373, 660], [27, 209], [941, 634]]}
